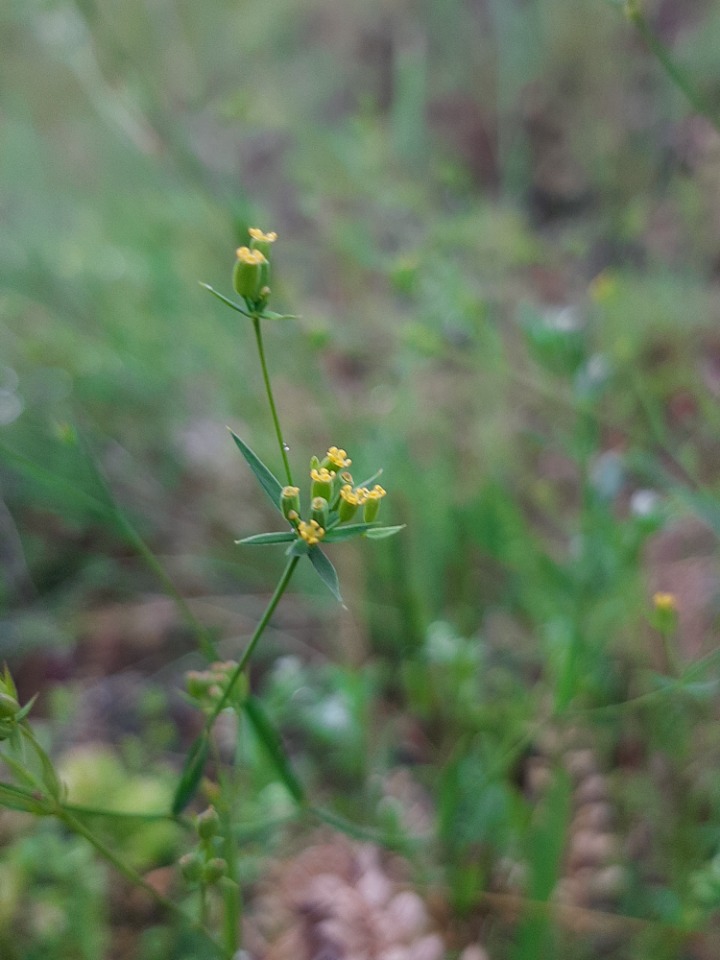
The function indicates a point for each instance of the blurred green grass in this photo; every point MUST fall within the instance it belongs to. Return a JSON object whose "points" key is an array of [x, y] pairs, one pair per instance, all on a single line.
{"points": [[448, 181]]}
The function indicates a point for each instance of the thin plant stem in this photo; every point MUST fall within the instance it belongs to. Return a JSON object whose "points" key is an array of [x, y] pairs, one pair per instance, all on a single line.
{"points": [[280, 589], [78, 827], [230, 887], [271, 400], [673, 70]]}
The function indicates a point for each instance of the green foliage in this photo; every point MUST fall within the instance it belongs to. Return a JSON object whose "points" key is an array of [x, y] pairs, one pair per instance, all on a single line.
{"points": [[504, 232]]}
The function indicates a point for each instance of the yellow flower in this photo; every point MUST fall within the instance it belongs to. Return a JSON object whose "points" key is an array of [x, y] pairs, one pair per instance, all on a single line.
{"points": [[255, 258], [321, 475], [262, 237], [336, 459], [311, 533], [350, 496]]}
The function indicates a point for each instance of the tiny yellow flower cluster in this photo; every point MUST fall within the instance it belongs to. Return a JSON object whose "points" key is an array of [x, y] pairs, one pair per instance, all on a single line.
{"points": [[334, 499], [357, 498], [312, 533]]}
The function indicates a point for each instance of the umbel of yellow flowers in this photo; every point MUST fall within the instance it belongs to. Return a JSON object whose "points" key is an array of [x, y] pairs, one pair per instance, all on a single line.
{"points": [[334, 498]]}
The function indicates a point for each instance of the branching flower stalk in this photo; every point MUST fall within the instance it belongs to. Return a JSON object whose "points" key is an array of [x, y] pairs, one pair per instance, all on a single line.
{"points": [[332, 508], [334, 497]]}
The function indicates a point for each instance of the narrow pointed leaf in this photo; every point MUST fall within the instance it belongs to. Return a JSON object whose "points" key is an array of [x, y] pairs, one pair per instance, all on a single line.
{"points": [[326, 571], [270, 739], [16, 799], [347, 532], [271, 315], [262, 539], [24, 711], [267, 480], [192, 773], [22, 774], [380, 533], [298, 549], [372, 479], [229, 303]]}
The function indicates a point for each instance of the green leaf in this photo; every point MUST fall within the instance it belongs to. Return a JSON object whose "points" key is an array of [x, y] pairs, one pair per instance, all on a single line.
{"points": [[24, 711], [192, 773], [271, 315], [372, 479], [326, 571], [59, 488], [338, 534], [16, 799], [380, 533], [267, 480], [298, 549], [261, 539], [22, 774], [229, 303], [270, 739]]}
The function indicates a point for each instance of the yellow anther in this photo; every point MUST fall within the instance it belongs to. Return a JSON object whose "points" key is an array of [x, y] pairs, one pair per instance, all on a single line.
{"points": [[321, 475], [253, 257], [338, 458], [311, 532], [262, 237], [349, 495]]}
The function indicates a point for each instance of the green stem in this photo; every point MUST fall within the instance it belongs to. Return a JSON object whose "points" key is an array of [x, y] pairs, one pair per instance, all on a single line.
{"points": [[259, 629], [675, 72], [76, 826], [271, 401]]}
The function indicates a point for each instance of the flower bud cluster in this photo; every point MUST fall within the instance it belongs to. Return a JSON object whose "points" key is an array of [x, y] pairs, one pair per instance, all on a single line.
{"points": [[206, 687], [202, 866], [251, 276], [334, 498]]}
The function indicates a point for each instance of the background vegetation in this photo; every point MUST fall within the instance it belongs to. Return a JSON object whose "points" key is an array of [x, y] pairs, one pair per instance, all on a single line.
{"points": [[500, 223]]}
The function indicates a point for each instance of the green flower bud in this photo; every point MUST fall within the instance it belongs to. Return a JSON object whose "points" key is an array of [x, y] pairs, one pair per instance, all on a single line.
{"points": [[320, 510], [348, 503], [207, 823], [248, 275], [371, 499], [322, 483], [191, 867], [214, 870], [198, 682], [290, 503], [9, 707]]}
